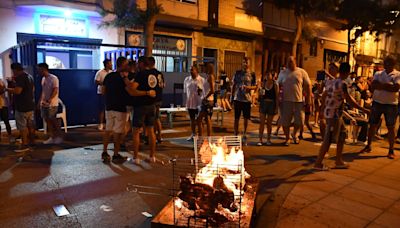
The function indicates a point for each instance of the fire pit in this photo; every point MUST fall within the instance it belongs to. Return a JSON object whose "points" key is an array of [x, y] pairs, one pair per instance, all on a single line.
{"points": [[213, 190]]}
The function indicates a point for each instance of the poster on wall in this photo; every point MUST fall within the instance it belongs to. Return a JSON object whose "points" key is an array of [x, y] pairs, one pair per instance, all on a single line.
{"points": [[160, 42]]}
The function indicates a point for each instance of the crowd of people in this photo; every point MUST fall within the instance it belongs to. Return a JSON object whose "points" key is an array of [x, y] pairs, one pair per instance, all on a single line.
{"points": [[18, 92], [131, 96], [337, 98]]}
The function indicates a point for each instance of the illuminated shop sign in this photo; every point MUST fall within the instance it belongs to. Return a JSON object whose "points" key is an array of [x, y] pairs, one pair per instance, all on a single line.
{"points": [[65, 26]]}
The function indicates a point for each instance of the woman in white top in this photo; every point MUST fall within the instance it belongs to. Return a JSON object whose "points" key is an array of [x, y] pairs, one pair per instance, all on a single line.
{"points": [[207, 101], [4, 108]]}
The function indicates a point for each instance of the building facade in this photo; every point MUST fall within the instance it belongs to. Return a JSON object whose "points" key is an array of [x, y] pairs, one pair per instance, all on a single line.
{"points": [[205, 30]]}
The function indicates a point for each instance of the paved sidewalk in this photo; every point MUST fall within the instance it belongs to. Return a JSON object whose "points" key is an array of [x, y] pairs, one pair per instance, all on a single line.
{"points": [[366, 195]]}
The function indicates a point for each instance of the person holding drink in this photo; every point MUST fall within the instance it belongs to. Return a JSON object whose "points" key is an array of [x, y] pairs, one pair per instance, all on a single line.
{"points": [[268, 97]]}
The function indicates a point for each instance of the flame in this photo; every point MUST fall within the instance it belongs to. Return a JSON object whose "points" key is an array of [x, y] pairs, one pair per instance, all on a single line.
{"points": [[223, 163]]}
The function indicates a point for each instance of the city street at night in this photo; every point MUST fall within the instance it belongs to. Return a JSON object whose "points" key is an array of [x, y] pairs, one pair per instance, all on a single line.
{"points": [[116, 195]]}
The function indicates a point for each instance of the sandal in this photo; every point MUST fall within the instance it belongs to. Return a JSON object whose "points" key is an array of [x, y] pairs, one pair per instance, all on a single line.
{"points": [[342, 166], [321, 168]]}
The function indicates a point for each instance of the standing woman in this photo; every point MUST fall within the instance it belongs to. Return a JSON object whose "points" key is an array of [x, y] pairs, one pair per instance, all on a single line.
{"points": [[224, 82], [207, 103], [268, 97]]}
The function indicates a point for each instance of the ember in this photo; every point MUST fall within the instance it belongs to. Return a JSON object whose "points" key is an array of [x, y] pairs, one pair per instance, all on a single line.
{"points": [[215, 192]]}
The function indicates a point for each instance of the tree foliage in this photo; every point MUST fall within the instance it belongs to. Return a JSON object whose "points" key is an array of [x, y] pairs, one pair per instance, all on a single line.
{"points": [[368, 16], [127, 14]]}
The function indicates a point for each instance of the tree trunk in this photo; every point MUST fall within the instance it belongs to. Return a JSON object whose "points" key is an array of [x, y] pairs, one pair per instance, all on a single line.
{"points": [[299, 29], [348, 44], [149, 36], [148, 29]]}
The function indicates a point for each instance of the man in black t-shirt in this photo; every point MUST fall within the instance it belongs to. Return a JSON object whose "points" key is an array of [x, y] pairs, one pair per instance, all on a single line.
{"points": [[144, 86], [24, 105], [159, 93], [116, 115]]}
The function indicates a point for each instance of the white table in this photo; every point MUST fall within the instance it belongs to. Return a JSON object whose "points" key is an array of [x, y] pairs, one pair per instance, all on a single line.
{"points": [[171, 111]]}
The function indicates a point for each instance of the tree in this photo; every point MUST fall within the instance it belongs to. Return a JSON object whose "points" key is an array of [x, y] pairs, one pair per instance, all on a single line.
{"points": [[363, 16], [301, 8], [127, 14]]}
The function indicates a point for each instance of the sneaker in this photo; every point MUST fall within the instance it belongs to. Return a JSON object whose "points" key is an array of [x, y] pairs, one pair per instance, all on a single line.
{"points": [[190, 138], [101, 127], [269, 143], [391, 154], [152, 159], [259, 144], [286, 143], [118, 158], [367, 149], [106, 157], [295, 139], [58, 140], [49, 141], [136, 161], [22, 149]]}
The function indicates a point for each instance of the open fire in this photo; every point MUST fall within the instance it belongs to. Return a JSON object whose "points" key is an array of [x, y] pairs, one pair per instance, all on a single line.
{"points": [[216, 192]]}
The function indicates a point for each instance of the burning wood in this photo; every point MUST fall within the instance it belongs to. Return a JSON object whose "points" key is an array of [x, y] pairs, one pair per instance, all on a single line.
{"points": [[215, 193]]}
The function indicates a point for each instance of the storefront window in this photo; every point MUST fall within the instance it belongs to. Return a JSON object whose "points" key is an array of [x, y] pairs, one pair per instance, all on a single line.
{"points": [[171, 53]]}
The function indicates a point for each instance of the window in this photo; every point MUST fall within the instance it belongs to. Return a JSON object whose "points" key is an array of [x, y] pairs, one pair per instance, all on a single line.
{"points": [[314, 47]]}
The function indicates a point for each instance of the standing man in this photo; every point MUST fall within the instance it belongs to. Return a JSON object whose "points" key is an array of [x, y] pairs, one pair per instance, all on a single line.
{"points": [[4, 110], [385, 86], [116, 116], [99, 79], [193, 88], [145, 86], [243, 84], [24, 105], [294, 82], [159, 93], [49, 103]]}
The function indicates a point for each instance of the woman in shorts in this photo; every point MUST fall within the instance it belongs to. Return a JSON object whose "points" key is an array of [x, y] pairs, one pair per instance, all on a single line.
{"points": [[268, 97]]}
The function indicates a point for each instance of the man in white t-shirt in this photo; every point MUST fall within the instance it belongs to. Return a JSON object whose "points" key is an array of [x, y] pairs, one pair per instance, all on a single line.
{"points": [[49, 103], [385, 87], [98, 79], [193, 87], [294, 82]]}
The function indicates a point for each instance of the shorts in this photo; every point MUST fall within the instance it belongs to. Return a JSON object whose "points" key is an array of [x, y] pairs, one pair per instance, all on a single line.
{"points": [[158, 106], [267, 107], [193, 113], [24, 120], [388, 110], [115, 121], [222, 93], [335, 132], [207, 106], [144, 115], [101, 102], [290, 110], [240, 107], [48, 113]]}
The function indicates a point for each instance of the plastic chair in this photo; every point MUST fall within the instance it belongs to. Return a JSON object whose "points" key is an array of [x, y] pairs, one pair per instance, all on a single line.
{"points": [[62, 115]]}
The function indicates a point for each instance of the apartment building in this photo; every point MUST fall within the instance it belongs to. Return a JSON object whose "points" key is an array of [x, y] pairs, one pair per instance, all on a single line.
{"points": [[218, 29]]}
